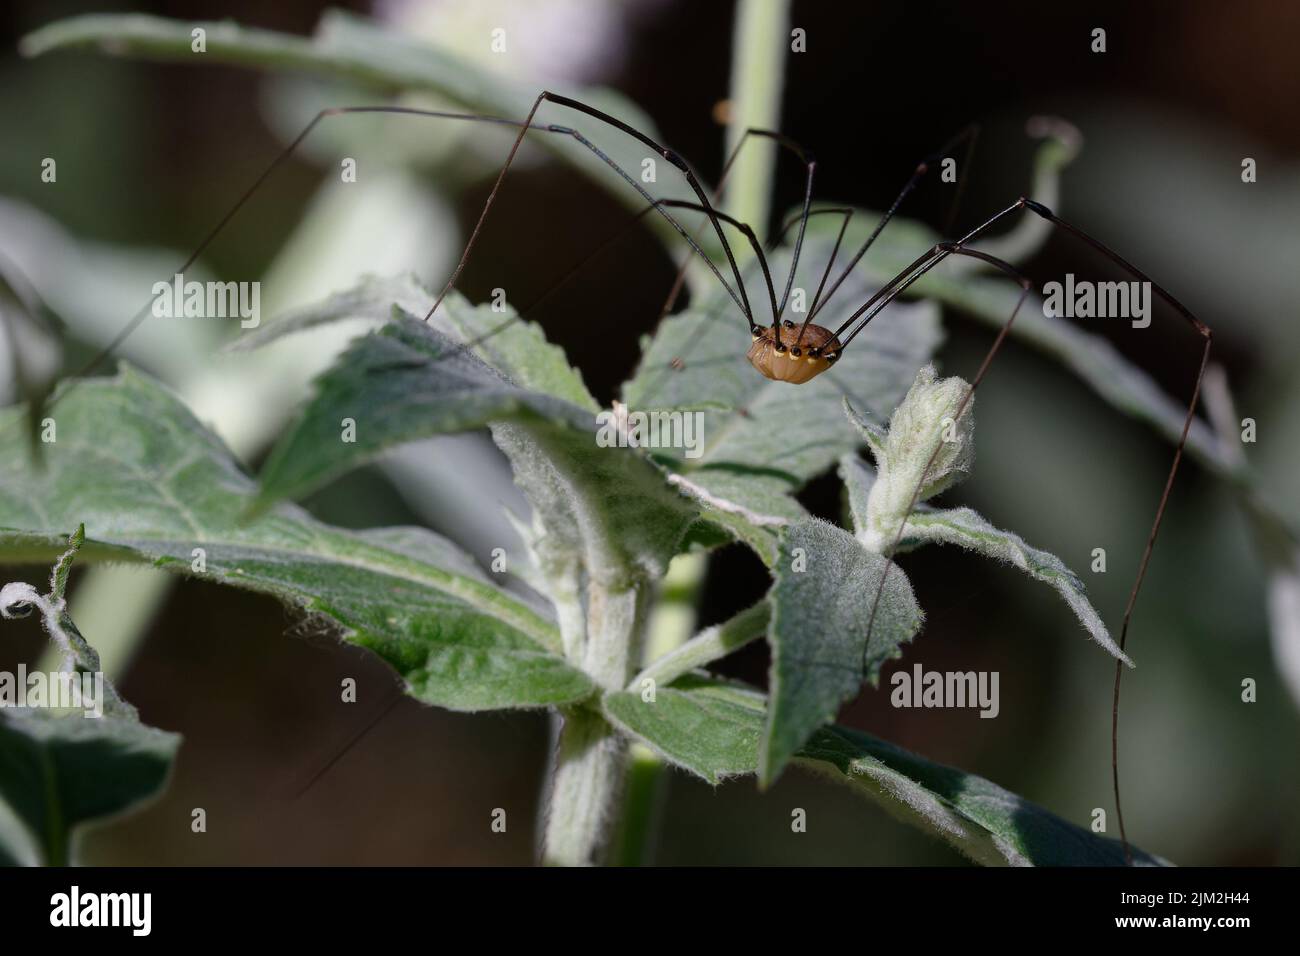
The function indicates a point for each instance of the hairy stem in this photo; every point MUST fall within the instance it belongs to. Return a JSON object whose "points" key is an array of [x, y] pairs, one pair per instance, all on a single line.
{"points": [[590, 759], [760, 42], [709, 645], [615, 633], [585, 786], [671, 622]]}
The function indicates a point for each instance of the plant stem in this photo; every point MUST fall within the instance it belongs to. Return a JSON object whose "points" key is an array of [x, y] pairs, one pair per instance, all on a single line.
{"points": [[671, 624], [586, 784], [645, 788], [672, 620], [122, 601], [591, 756], [759, 46], [709, 645], [757, 78], [615, 633]]}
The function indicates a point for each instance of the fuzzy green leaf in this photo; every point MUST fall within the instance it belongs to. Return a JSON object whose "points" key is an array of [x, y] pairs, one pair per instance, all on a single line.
{"points": [[409, 381], [517, 348], [151, 483], [981, 820], [858, 477], [403, 382], [966, 528], [748, 506], [714, 730], [710, 728], [59, 773], [824, 640], [63, 566]]}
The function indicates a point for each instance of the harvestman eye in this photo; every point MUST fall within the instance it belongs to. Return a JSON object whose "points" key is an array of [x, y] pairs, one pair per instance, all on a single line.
{"points": [[781, 349]]}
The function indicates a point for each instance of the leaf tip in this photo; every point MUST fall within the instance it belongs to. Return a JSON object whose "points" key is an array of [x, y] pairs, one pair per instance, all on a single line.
{"points": [[33, 44], [1059, 131]]}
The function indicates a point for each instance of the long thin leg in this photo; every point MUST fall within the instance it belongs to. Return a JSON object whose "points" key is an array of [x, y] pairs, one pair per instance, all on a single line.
{"points": [[600, 249], [100, 357], [739, 297], [942, 251], [744, 228], [620, 233], [847, 213], [1025, 285], [1208, 337], [889, 291], [636, 217], [671, 155], [804, 156], [781, 140], [784, 141], [970, 132], [603, 247], [801, 217], [810, 165]]}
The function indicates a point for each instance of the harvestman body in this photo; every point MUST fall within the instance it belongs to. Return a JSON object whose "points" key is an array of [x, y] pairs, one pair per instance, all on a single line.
{"points": [[794, 354], [781, 350]]}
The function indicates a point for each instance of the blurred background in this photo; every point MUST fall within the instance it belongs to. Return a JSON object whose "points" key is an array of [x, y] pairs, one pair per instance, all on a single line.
{"points": [[152, 154]]}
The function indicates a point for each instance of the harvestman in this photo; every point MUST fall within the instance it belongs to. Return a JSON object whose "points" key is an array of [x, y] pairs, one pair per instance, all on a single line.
{"points": [[781, 350]]}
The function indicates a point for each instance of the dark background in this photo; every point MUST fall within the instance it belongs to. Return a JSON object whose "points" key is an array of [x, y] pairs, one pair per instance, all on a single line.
{"points": [[882, 84]]}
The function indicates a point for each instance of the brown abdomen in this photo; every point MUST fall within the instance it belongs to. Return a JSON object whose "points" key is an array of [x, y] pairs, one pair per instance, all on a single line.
{"points": [[816, 350]]}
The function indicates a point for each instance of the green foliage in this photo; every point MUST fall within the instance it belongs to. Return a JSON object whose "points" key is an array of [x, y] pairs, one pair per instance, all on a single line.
{"points": [[501, 339], [884, 513], [605, 518], [704, 726], [965, 528], [345, 46], [409, 381], [715, 730], [163, 486], [605, 521], [828, 633], [59, 773], [62, 771], [977, 817]]}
